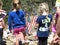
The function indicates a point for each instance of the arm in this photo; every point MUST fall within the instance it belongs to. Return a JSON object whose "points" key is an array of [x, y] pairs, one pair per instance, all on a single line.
{"points": [[3, 23], [37, 23], [54, 23], [23, 18], [10, 22], [51, 23], [54, 20], [50, 27]]}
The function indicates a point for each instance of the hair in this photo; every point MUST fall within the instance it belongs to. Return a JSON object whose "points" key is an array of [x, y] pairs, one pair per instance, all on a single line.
{"points": [[14, 5], [43, 7]]}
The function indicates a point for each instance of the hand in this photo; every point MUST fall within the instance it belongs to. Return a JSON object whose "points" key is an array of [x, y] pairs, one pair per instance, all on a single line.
{"points": [[11, 31], [56, 39]]}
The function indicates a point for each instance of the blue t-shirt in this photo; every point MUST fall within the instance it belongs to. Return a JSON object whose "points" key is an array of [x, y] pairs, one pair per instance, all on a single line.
{"points": [[44, 23], [16, 19]]}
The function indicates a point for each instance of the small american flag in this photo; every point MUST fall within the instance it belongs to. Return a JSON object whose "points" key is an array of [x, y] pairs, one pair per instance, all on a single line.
{"points": [[29, 27], [29, 24], [34, 20]]}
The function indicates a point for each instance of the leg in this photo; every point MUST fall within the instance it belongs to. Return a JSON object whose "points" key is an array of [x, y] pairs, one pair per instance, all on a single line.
{"points": [[21, 36], [1, 35], [17, 40], [45, 40], [40, 41]]}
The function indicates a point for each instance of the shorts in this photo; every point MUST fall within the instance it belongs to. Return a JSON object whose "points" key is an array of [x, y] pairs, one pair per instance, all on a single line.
{"points": [[17, 30]]}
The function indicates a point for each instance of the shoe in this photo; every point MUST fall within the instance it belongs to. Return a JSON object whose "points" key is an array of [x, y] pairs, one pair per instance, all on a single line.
{"points": [[29, 34], [27, 41]]}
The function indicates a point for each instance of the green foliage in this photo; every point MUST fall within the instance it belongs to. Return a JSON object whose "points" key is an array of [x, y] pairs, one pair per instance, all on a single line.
{"points": [[7, 5], [28, 5]]}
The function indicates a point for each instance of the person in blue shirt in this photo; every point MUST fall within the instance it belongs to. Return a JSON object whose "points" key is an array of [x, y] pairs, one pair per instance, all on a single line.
{"points": [[16, 21], [43, 23]]}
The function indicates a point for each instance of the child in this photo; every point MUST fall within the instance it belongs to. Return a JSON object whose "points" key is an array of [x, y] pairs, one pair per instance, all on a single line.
{"points": [[43, 23], [57, 23], [16, 21], [2, 25]]}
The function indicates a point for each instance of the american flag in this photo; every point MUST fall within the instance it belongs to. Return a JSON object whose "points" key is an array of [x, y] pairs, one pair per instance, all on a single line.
{"points": [[29, 27], [34, 23], [30, 24], [34, 20]]}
